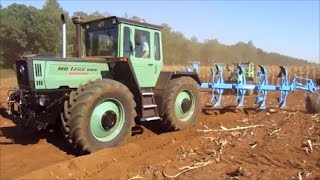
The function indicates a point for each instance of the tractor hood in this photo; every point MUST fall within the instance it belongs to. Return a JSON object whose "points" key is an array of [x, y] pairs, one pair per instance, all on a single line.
{"points": [[36, 72]]}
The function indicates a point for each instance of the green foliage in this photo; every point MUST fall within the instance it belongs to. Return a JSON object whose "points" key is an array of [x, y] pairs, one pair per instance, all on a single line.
{"points": [[27, 30], [92, 16], [180, 50], [52, 12]]}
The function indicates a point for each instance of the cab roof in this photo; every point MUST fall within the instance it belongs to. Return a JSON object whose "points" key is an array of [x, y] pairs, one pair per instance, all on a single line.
{"points": [[112, 20]]}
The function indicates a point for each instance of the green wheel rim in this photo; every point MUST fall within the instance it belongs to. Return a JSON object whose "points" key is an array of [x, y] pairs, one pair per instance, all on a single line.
{"points": [[96, 127], [185, 94]]}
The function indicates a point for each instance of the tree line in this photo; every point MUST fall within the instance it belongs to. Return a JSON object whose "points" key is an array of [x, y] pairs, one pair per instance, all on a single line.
{"points": [[28, 30]]}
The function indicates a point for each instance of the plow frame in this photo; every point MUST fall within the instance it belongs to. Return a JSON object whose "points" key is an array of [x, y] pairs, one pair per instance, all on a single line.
{"points": [[218, 85]]}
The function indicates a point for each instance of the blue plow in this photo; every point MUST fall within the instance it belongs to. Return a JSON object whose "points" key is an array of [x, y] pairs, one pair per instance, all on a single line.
{"points": [[217, 86]]}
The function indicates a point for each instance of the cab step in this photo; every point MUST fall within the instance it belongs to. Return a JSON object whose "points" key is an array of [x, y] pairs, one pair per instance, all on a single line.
{"points": [[151, 118], [147, 94], [149, 106]]}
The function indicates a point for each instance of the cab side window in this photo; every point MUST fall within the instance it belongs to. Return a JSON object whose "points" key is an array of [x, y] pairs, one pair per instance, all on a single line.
{"points": [[142, 44], [127, 45], [157, 54]]}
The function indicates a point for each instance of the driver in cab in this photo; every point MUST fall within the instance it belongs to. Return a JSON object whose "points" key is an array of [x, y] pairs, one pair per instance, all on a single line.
{"points": [[142, 46]]}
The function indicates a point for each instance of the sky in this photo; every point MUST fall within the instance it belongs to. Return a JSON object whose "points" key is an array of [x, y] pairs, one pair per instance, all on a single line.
{"points": [[286, 27]]}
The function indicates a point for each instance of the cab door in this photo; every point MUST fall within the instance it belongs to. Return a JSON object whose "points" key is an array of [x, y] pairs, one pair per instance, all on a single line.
{"points": [[146, 68]]}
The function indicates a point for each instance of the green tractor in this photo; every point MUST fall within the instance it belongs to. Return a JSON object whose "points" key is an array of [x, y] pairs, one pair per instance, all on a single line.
{"points": [[251, 77], [114, 82]]}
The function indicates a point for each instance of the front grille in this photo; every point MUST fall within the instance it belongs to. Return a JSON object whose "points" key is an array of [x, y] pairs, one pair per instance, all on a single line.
{"points": [[38, 70], [22, 73]]}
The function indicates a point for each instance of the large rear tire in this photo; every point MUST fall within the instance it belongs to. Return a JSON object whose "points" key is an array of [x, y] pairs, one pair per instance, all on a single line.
{"points": [[181, 103], [313, 103], [98, 115]]}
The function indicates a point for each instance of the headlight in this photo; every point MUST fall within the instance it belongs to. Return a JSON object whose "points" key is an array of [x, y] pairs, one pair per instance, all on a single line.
{"points": [[21, 69], [42, 100]]}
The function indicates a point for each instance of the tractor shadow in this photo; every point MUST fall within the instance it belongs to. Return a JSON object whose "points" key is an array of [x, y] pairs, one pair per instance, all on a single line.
{"points": [[229, 109], [247, 110], [17, 134], [154, 126], [157, 126]]}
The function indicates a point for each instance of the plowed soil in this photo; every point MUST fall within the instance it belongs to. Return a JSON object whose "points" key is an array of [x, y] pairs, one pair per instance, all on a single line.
{"points": [[276, 144]]}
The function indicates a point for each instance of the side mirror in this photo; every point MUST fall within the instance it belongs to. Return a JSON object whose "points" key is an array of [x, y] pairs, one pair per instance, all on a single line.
{"points": [[131, 49]]}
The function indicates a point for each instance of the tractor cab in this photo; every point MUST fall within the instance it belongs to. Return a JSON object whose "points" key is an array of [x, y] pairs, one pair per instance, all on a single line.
{"points": [[249, 70], [115, 38]]}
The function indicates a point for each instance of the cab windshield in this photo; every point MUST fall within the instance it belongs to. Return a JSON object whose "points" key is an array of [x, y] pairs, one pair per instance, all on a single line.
{"points": [[102, 42]]}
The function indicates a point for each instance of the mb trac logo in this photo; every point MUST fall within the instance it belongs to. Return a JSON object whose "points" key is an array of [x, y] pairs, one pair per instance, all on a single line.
{"points": [[71, 68]]}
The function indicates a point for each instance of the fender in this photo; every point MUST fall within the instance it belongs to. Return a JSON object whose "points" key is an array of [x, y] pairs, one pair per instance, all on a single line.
{"points": [[166, 76], [162, 83]]}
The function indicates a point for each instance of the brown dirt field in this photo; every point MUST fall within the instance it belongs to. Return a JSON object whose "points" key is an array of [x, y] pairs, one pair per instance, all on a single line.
{"points": [[276, 150]]}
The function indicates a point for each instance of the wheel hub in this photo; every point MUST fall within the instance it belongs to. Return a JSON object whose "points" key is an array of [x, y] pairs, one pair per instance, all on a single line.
{"points": [[186, 105], [108, 120]]}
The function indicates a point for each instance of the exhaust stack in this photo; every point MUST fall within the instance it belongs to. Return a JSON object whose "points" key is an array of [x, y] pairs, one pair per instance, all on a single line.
{"points": [[77, 20], [64, 36]]}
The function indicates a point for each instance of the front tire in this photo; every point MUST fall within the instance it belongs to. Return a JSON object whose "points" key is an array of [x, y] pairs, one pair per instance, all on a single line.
{"points": [[181, 103], [99, 115]]}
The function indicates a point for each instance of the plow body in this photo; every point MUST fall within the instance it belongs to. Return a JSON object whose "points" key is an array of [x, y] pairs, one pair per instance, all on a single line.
{"points": [[218, 85]]}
